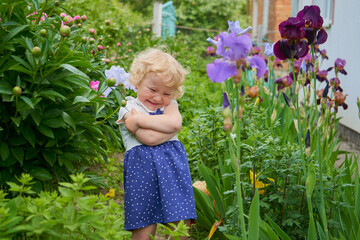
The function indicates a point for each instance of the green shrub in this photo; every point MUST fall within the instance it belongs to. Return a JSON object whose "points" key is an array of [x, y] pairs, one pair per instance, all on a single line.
{"points": [[69, 214], [55, 124]]}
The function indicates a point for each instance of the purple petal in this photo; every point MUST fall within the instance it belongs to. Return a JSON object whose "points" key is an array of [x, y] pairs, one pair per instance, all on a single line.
{"points": [[226, 102], [258, 62], [321, 36], [282, 49], [237, 46], [220, 70], [235, 27], [311, 15]]}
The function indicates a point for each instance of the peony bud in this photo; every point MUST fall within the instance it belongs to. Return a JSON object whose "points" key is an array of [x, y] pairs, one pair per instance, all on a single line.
{"points": [[84, 39], [91, 40], [36, 51], [16, 90], [67, 19], [118, 44], [62, 15], [65, 31], [43, 32], [107, 61], [92, 31], [123, 102], [57, 3], [83, 18], [111, 82], [77, 19], [107, 22]]}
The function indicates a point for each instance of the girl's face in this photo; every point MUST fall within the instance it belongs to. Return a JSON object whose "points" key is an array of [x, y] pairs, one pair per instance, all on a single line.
{"points": [[153, 93]]}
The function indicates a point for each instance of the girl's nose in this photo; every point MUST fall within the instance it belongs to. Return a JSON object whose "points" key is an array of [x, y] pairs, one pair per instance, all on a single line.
{"points": [[157, 98]]}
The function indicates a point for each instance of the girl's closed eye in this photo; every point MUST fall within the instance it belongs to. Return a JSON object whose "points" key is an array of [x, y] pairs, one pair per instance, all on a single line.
{"points": [[153, 90]]}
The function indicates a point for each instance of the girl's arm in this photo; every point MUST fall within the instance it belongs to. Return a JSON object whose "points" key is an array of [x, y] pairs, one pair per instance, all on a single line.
{"points": [[168, 122], [151, 138]]}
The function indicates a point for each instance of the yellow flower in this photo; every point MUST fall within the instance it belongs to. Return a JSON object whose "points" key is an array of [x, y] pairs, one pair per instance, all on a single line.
{"points": [[111, 193], [201, 185], [259, 184]]}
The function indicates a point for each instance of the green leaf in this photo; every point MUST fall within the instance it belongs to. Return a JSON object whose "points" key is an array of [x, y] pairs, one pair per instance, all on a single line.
{"points": [[29, 134], [254, 217], [36, 116], [21, 61], [69, 120], [52, 95], [27, 101], [212, 186], [20, 68], [54, 122], [18, 154], [5, 88], [13, 32], [67, 163], [4, 150], [80, 99], [41, 174], [74, 70], [50, 157], [16, 120], [277, 229], [46, 131], [36, 4]]}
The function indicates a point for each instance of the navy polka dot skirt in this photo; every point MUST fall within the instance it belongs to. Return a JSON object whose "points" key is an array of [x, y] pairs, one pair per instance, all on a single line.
{"points": [[157, 184]]}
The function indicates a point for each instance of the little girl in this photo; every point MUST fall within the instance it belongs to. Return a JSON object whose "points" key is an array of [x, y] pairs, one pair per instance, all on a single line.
{"points": [[157, 182]]}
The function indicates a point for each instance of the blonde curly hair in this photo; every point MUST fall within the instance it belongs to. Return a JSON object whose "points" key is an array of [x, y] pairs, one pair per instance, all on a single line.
{"points": [[158, 61]]}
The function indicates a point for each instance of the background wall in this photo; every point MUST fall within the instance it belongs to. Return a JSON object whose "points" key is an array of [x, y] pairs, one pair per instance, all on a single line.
{"points": [[344, 42]]}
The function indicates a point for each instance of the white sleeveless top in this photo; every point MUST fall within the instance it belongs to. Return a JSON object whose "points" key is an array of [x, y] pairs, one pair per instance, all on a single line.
{"points": [[128, 138]]}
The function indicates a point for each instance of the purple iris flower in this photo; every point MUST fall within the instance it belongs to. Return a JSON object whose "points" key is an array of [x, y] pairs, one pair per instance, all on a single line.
{"points": [[293, 28], [340, 65], [258, 62], [269, 50], [232, 48], [314, 32], [284, 82], [321, 75]]}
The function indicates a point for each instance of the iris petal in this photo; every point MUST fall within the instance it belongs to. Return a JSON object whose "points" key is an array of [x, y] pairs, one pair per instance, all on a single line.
{"points": [[259, 63], [220, 70], [321, 36]]}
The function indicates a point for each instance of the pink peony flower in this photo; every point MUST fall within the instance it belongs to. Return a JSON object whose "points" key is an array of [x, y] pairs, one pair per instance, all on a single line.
{"points": [[95, 85]]}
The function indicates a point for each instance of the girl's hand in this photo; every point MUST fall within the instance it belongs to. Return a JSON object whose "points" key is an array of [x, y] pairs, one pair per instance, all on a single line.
{"points": [[132, 122]]}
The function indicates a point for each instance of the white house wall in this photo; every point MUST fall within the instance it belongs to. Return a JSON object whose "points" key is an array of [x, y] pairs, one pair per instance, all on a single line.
{"points": [[344, 42]]}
